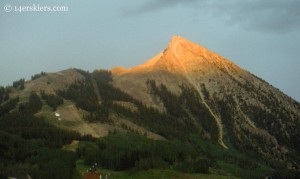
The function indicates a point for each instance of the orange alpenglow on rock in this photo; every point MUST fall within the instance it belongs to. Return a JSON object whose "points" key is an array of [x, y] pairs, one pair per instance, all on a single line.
{"points": [[180, 56], [184, 63]]}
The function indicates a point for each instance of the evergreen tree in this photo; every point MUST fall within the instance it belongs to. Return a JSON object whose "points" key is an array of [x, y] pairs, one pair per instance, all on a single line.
{"points": [[35, 103], [19, 84], [52, 100]]}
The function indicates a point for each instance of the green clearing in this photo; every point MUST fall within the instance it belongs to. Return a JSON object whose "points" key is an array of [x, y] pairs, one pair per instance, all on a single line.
{"points": [[71, 147], [164, 159], [234, 170], [146, 174]]}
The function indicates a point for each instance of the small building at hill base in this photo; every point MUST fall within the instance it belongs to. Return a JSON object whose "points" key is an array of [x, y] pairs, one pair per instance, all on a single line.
{"points": [[92, 175]]}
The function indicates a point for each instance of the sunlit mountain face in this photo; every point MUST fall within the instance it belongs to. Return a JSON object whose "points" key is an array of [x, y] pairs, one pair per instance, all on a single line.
{"points": [[242, 107]]}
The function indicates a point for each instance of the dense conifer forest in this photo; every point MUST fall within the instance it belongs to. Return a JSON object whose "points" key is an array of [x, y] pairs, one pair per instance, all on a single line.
{"points": [[31, 146]]}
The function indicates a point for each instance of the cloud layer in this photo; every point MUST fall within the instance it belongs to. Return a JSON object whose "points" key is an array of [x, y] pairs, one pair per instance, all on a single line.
{"points": [[276, 16]]}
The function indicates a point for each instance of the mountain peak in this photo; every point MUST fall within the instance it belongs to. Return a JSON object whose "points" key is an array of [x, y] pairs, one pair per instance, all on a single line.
{"points": [[182, 48], [177, 38], [180, 56]]}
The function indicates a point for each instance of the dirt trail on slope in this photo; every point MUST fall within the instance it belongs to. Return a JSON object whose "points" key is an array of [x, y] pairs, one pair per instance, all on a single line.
{"points": [[217, 119], [71, 118]]}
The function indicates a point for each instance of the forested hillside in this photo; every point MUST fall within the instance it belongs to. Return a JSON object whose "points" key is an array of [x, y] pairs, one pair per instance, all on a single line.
{"points": [[32, 146]]}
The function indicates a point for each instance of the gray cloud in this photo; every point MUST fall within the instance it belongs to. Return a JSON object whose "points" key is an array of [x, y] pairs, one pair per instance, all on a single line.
{"points": [[263, 15], [276, 16], [154, 5]]}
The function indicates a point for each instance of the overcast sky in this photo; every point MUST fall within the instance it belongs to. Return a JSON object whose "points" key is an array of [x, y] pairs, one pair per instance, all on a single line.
{"points": [[261, 36]]}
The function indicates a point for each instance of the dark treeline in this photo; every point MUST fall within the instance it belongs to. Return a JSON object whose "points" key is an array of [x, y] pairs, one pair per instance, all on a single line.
{"points": [[19, 84], [125, 151], [8, 106], [165, 124], [52, 100], [187, 106], [101, 115], [28, 126], [273, 114], [263, 117], [4, 93], [36, 76], [82, 93], [33, 105], [130, 151], [253, 144], [22, 157], [107, 91], [191, 100], [22, 122], [31, 146], [171, 101]]}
